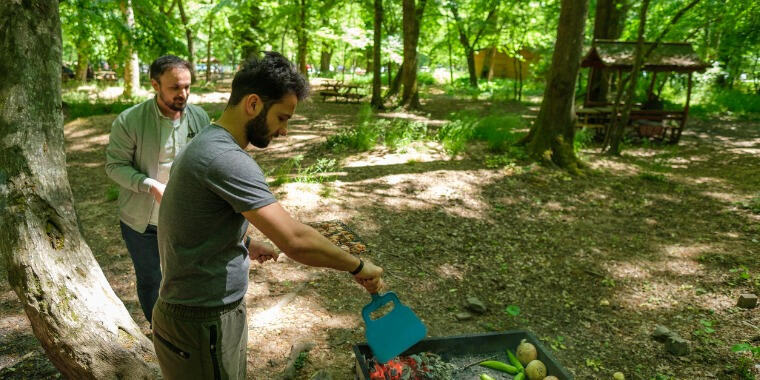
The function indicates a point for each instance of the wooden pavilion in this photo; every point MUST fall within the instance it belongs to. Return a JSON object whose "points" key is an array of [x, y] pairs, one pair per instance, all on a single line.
{"points": [[649, 120]]}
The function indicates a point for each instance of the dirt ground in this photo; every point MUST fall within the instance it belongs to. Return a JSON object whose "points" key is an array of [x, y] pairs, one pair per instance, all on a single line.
{"points": [[594, 262]]}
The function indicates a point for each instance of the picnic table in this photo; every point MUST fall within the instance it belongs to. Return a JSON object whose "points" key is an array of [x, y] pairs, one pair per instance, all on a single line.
{"points": [[649, 123], [339, 91], [106, 75]]}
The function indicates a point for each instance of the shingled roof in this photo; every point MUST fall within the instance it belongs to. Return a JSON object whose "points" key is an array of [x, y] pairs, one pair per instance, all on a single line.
{"points": [[667, 56]]}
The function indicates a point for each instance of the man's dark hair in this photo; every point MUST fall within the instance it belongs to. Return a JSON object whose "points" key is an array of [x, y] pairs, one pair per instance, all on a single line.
{"points": [[161, 64], [270, 77]]}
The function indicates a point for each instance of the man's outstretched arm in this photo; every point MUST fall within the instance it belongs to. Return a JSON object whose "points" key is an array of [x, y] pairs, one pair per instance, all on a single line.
{"points": [[307, 246]]}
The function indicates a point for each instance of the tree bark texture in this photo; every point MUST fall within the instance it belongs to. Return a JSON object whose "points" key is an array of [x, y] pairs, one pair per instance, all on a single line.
{"points": [[189, 37], [412, 18], [377, 100], [325, 58], [551, 137], [302, 37], [84, 328], [608, 24], [132, 64], [82, 62]]}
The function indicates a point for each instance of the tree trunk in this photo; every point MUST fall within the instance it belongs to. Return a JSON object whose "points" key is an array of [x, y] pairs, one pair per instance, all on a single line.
{"points": [[132, 65], [617, 129], [608, 24], [82, 62], [208, 47], [81, 324], [377, 100], [470, 54], [189, 37], [325, 58], [302, 38], [411, 19], [491, 59], [551, 137]]}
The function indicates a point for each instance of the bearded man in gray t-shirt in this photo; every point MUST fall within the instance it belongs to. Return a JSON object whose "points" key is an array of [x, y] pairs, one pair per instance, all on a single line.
{"points": [[216, 188]]}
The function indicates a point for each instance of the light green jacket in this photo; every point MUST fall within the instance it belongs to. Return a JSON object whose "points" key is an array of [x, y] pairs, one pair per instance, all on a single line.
{"points": [[132, 157]]}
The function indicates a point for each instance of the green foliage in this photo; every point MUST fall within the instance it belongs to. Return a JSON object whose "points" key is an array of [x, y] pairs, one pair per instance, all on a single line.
{"points": [[362, 137], [82, 109], [583, 139], [400, 133], [301, 360], [753, 205], [112, 193], [369, 131], [512, 310], [292, 171], [718, 102], [498, 131], [425, 78]]}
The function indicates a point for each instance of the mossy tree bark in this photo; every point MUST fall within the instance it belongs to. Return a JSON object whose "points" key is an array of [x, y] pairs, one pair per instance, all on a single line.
{"points": [[83, 326], [551, 137]]}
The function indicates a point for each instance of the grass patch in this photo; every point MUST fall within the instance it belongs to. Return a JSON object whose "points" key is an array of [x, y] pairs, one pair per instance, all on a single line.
{"points": [[370, 131], [112, 193], [293, 171], [498, 131], [728, 102]]}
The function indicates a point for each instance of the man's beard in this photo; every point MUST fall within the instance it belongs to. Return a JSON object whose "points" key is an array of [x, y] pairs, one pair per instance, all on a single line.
{"points": [[257, 130], [177, 104]]}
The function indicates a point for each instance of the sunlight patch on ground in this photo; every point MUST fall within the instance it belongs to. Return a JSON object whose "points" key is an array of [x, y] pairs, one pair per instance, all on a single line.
{"points": [[626, 270], [208, 97], [721, 196], [304, 194], [449, 271], [418, 152], [619, 168]]}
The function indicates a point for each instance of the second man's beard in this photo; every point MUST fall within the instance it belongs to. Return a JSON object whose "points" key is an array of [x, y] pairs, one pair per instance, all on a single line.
{"points": [[177, 104], [257, 130]]}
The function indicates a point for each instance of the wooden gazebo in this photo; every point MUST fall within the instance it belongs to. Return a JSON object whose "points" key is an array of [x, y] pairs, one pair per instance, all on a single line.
{"points": [[649, 120]]}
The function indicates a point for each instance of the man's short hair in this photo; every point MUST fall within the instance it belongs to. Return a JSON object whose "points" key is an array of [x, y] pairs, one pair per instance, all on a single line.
{"points": [[161, 64], [270, 77]]}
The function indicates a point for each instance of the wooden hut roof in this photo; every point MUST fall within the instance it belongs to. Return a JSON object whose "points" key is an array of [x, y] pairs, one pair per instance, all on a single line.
{"points": [[667, 56]]}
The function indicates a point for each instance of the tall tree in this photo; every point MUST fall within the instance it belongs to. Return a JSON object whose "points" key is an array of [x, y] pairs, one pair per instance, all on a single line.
{"points": [[131, 62], [208, 45], [412, 15], [551, 137], [377, 100], [471, 30], [608, 25], [302, 36], [189, 35], [82, 325]]}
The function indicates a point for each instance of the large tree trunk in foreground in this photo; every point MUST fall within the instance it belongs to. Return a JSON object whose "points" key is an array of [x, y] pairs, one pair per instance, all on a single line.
{"points": [[82, 325], [551, 137], [131, 65], [412, 19], [377, 100]]}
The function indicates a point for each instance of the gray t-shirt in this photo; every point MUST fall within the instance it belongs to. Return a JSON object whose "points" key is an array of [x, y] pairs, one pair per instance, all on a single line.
{"points": [[200, 226]]}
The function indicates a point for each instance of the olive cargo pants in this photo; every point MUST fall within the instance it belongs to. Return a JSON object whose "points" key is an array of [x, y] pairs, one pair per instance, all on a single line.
{"points": [[200, 343]]}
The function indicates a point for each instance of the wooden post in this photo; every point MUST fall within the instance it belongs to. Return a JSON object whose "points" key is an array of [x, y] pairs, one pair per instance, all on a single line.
{"points": [[588, 86], [685, 109], [650, 90]]}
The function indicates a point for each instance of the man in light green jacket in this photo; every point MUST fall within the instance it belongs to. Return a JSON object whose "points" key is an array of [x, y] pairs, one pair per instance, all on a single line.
{"points": [[144, 141]]}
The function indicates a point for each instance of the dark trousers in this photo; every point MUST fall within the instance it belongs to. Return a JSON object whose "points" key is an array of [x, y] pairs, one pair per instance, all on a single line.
{"points": [[143, 249]]}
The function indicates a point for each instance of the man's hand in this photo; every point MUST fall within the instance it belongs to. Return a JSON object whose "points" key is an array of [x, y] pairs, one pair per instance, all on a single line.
{"points": [[157, 189], [262, 252], [370, 277]]}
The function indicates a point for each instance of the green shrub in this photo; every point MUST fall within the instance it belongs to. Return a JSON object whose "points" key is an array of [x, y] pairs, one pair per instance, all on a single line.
{"points": [[715, 102], [583, 138], [498, 131], [425, 78], [401, 133], [292, 171], [362, 137]]}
